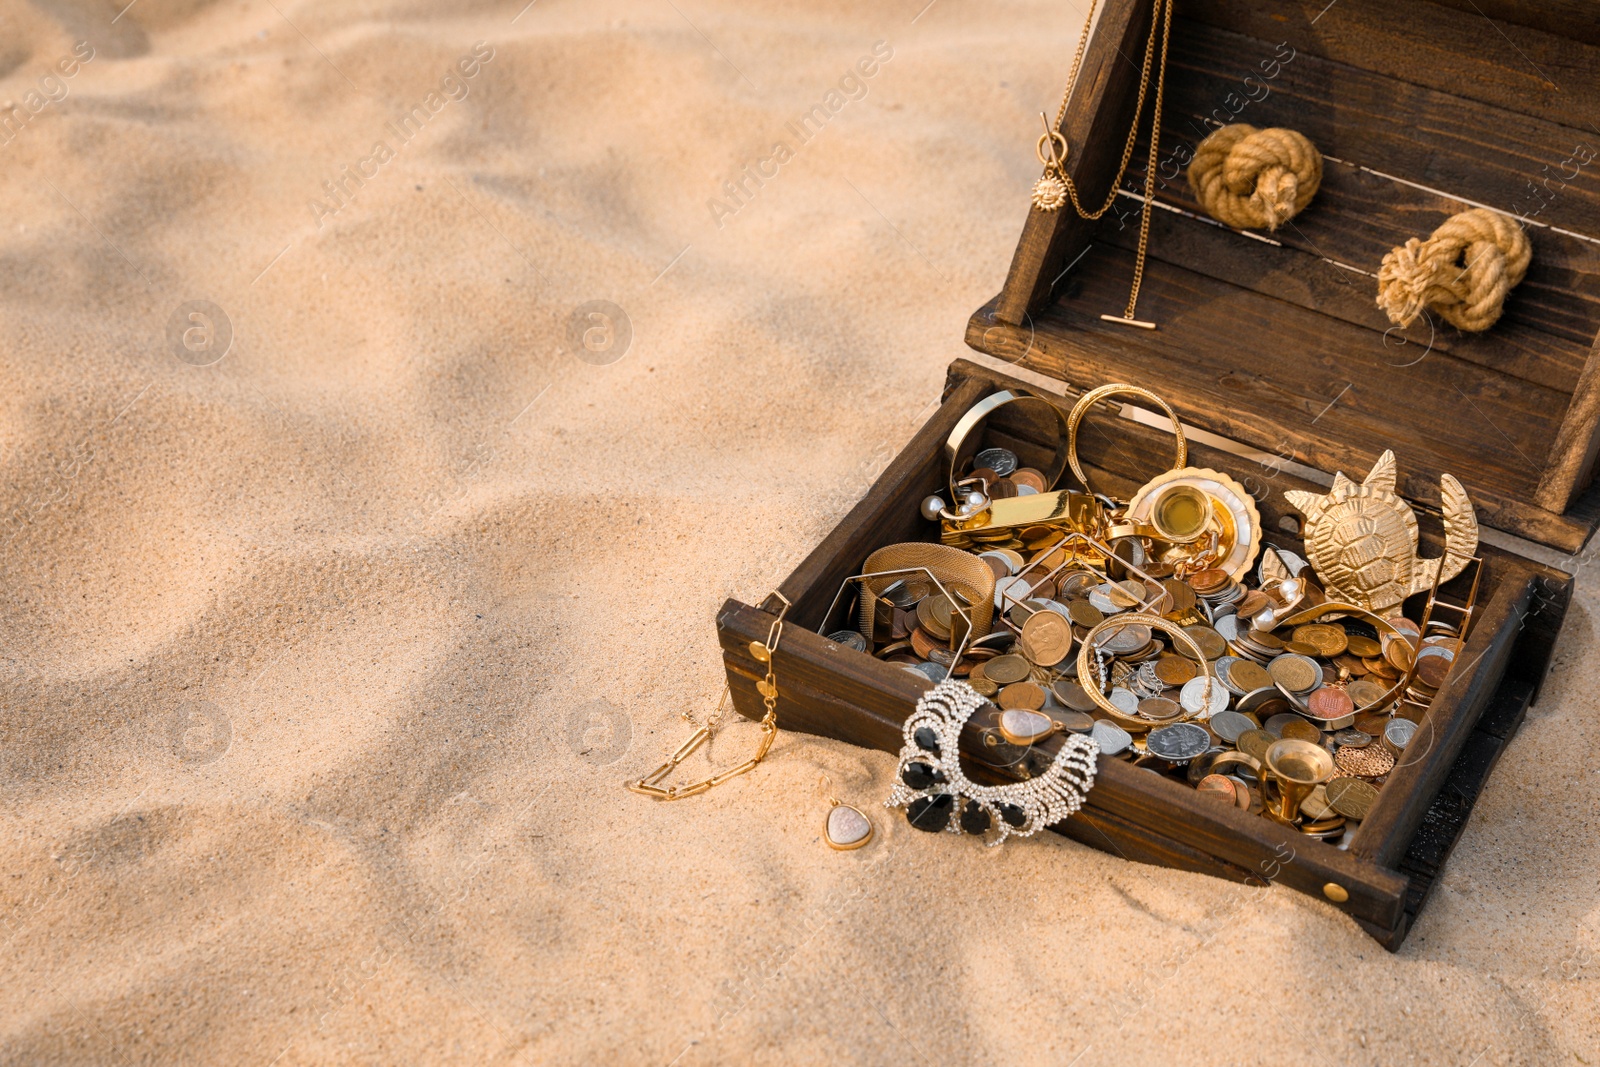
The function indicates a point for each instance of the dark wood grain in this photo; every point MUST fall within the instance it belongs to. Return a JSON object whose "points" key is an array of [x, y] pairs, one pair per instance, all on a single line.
{"points": [[1454, 714], [1542, 64]]}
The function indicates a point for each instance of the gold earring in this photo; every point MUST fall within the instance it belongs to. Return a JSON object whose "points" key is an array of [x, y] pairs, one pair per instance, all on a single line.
{"points": [[846, 827]]}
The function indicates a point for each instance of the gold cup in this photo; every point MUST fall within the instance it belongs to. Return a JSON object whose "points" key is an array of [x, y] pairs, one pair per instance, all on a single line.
{"points": [[1297, 767], [1181, 514]]}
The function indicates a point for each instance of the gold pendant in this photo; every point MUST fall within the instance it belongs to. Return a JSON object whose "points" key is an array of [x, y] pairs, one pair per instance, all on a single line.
{"points": [[1362, 538], [846, 828], [1049, 193]]}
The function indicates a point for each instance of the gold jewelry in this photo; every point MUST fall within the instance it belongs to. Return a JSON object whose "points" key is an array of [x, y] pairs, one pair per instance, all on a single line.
{"points": [[1093, 397], [768, 687], [846, 827], [1056, 187], [953, 446], [1087, 677], [1236, 521], [1344, 557]]}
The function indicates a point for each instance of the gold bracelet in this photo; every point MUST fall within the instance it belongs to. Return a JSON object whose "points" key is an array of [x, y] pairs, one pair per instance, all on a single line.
{"points": [[980, 411], [1155, 622], [1093, 397]]}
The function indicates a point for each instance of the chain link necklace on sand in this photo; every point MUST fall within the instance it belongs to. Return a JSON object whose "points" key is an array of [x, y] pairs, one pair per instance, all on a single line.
{"points": [[1055, 186]]}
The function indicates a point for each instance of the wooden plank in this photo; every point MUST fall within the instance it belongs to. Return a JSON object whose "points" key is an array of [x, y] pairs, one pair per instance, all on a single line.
{"points": [[1446, 818], [1279, 376], [1095, 126], [1570, 466], [1463, 147], [1402, 802], [881, 695], [1546, 71], [1515, 347], [1578, 19]]}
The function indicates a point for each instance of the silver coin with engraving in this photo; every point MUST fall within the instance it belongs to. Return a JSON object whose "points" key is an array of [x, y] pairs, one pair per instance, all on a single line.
{"points": [[1178, 743], [1002, 461], [1200, 701], [1112, 739]]}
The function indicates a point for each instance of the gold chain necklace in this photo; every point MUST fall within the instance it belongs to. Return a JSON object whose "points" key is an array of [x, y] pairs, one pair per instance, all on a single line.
{"points": [[650, 785], [1055, 187]]}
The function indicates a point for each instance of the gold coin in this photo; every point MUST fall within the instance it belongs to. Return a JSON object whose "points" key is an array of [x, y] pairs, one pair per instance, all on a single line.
{"points": [[1249, 675], [1352, 797], [1003, 670], [1175, 670], [1353, 664], [1328, 640], [1365, 692], [1377, 665], [1300, 648], [1210, 642], [1293, 673], [1048, 636], [1085, 614], [1300, 730], [1365, 647], [983, 687], [1315, 805], [1254, 743], [1182, 594], [934, 614], [1073, 696], [1120, 596], [1397, 651], [1023, 696]]}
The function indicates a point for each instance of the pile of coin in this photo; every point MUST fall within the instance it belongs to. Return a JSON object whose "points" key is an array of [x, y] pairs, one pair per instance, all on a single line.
{"points": [[1333, 683]]}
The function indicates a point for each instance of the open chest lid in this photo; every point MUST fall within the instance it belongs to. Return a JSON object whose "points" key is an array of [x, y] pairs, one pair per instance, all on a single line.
{"points": [[1421, 110]]}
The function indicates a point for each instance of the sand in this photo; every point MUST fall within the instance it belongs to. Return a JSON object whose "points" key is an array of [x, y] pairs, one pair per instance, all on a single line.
{"points": [[335, 614]]}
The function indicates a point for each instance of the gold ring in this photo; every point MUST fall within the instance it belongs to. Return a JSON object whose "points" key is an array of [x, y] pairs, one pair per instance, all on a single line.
{"points": [[980, 411], [1155, 622], [1054, 136], [1094, 396]]}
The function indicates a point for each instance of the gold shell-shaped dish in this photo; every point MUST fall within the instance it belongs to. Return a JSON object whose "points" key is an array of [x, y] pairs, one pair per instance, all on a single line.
{"points": [[1236, 508]]}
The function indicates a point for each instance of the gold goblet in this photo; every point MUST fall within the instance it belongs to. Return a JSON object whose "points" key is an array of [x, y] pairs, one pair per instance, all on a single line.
{"points": [[1297, 767]]}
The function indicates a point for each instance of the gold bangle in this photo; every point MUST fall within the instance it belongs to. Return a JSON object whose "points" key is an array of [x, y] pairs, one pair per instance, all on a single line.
{"points": [[980, 411], [1094, 396], [1155, 622]]}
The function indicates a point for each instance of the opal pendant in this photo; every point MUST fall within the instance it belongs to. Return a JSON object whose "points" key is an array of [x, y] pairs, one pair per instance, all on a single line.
{"points": [[846, 828]]}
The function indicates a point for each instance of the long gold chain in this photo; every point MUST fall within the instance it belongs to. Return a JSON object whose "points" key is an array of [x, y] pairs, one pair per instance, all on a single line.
{"points": [[1150, 167], [1052, 149], [764, 652]]}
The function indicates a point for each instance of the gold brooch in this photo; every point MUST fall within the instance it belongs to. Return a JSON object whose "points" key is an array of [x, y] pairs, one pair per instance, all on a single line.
{"points": [[1362, 538]]}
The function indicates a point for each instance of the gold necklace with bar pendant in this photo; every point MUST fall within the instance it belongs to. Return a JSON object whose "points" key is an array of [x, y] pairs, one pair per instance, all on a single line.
{"points": [[1056, 187]]}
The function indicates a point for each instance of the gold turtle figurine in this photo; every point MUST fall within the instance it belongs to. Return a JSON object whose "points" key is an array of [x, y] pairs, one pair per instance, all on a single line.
{"points": [[1362, 539]]}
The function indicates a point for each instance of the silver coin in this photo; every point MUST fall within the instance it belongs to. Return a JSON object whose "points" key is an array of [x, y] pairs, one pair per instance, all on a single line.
{"points": [[931, 671], [1009, 591], [1026, 490], [1193, 696], [1124, 700], [1222, 666], [1002, 461], [1397, 734], [1127, 639], [1178, 743], [1228, 626], [1010, 564], [1230, 724], [1353, 738], [849, 639], [1103, 603], [1276, 723], [1112, 739]]}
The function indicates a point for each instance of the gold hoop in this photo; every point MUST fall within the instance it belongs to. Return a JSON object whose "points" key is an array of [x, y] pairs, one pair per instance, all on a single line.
{"points": [[1155, 622], [1053, 138], [1094, 396]]}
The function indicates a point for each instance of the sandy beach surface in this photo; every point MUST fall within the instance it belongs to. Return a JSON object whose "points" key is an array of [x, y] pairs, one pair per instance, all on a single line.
{"points": [[394, 391]]}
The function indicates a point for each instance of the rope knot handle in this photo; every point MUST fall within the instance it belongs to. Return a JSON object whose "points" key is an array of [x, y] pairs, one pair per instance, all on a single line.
{"points": [[1463, 271], [1252, 179]]}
